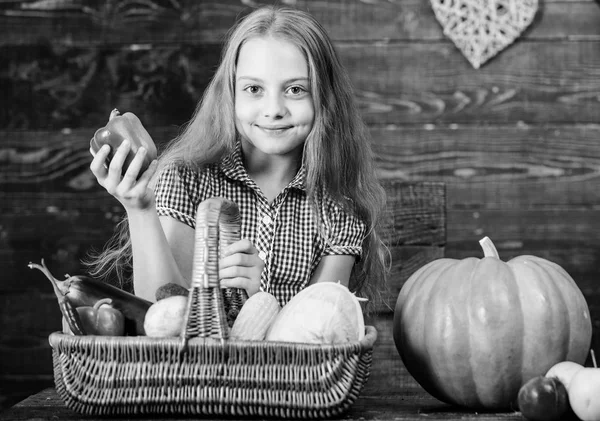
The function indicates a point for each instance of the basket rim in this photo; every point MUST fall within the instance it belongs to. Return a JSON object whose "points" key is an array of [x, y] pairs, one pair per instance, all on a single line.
{"points": [[56, 338]]}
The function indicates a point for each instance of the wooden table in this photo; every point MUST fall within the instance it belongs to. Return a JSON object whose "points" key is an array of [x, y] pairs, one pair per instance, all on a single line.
{"points": [[47, 405], [412, 403]]}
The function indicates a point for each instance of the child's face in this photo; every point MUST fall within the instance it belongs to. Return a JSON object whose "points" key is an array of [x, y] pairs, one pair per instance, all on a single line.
{"points": [[273, 106]]}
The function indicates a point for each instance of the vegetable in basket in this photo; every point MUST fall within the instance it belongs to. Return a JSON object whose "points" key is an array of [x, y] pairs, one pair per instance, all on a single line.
{"points": [[85, 291], [67, 308], [102, 319], [166, 318], [322, 313], [255, 317], [170, 289], [121, 127]]}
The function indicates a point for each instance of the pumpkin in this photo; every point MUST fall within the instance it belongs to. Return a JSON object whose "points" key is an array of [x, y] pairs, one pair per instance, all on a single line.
{"points": [[473, 331], [255, 317], [322, 313]]}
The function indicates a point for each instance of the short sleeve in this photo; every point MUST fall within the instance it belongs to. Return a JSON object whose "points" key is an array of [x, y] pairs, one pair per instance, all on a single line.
{"points": [[178, 194], [345, 233]]}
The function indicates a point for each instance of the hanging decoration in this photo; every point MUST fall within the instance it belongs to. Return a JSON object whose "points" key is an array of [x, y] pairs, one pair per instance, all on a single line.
{"points": [[482, 28]]}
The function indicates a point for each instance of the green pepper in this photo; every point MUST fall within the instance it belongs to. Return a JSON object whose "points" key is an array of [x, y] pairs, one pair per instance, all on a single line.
{"points": [[102, 319], [121, 127]]}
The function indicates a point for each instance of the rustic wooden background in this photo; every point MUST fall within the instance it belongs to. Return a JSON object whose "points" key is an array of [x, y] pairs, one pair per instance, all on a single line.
{"points": [[516, 142]]}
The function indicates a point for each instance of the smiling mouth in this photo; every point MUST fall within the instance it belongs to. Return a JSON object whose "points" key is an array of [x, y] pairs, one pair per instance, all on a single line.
{"points": [[275, 128]]}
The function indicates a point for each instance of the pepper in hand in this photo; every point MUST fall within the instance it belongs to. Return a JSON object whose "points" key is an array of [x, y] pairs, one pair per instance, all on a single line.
{"points": [[102, 319], [121, 127]]}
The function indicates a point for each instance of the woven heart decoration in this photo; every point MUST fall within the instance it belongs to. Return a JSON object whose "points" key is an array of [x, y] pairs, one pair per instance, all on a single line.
{"points": [[482, 28]]}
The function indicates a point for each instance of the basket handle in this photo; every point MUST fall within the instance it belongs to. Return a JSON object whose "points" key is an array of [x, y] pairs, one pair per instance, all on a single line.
{"points": [[218, 225]]}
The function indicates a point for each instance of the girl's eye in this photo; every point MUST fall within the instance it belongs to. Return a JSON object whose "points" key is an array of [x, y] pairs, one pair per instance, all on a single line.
{"points": [[253, 89], [296, 90]]}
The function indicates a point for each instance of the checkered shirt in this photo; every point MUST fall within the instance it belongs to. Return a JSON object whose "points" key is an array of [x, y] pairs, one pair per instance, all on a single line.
{"points": [[285, 231]]}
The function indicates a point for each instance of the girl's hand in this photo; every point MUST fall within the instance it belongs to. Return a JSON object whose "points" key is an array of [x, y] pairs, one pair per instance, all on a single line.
{"points": [[132, 193], [240, 267]]}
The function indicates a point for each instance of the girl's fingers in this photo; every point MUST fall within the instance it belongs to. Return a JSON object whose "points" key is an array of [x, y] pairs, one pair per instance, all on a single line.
{"points": [[98, 165], [231, 272], [242, 246], [134, 168], [131, 191], [242, 269], [115, 169], [251, 286], [150, 171], [142, 183], [238, 282], [241, 264], [238, 259]]}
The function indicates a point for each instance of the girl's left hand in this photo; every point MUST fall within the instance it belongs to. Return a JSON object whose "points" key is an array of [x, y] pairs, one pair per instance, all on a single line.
{"points": [[240, 267]]}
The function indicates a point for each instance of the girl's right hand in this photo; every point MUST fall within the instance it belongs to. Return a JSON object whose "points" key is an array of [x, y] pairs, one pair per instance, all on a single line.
{"points": [[133, 193]]}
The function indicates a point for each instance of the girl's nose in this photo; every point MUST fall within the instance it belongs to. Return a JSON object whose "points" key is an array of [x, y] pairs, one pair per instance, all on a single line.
{"points": [[274, 106]]}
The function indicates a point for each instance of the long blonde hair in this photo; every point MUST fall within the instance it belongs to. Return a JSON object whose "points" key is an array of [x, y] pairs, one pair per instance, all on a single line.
{"points": [[337, 153]]}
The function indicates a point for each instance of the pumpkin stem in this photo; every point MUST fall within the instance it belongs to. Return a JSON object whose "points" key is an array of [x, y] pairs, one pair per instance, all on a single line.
{"points": [[489, 250], [593, 358]]}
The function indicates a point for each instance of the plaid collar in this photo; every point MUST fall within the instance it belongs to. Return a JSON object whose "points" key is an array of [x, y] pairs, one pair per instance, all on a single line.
{"points": [[233, 167]]}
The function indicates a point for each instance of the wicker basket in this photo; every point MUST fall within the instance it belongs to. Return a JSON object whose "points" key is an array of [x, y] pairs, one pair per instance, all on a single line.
{"points": [[203, 372]]}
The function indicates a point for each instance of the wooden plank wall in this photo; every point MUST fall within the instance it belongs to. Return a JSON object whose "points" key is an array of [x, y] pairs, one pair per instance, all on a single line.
{"points": [[515, 142]]}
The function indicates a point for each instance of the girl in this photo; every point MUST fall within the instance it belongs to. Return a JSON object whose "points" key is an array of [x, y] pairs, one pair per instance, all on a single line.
{"points": [[277, 131]]}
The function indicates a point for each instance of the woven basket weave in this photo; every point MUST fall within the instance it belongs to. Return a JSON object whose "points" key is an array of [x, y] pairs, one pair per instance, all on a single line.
{"points": [[203, 372]]}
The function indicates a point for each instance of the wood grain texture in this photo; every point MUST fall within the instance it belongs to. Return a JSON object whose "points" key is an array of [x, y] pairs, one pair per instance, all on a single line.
{"points": [[58, 161], [17, 388], [163, 21], [49, 88], [411, 404], [429, 83], [62, 88], [416, 213], [511, 166]]}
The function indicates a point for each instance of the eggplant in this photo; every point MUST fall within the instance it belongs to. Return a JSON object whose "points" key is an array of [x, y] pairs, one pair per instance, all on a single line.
{"points": [[85, 291]]}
